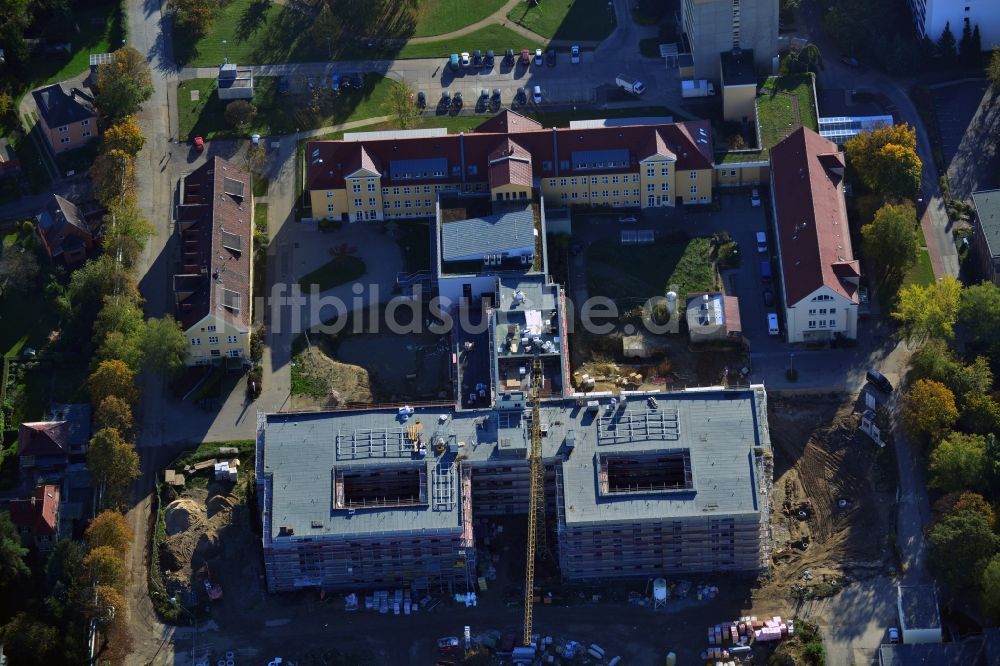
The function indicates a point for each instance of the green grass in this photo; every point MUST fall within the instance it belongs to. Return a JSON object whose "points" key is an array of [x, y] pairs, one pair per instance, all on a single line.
{"points": [[27, 321], [922, 272], [435, 17], [776, 108], [260, 215], [278, 114], [207, 450], [584, 20], [626, 273], [337, 271], [260, 185], [77, 160], [100, 32], [494, 37], [650, 47]]}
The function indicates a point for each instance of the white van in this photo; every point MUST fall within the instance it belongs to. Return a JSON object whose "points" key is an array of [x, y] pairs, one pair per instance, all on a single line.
{"points": [[772, 324]]}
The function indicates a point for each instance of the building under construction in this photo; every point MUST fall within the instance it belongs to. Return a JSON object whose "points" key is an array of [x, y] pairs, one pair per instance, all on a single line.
{"points": [[666, 483]]}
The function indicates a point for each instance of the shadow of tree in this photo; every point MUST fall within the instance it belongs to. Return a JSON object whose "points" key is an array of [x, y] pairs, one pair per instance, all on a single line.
{"points": [[253, 17]]}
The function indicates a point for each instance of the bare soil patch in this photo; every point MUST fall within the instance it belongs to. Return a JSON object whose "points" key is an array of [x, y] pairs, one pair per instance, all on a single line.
{"points": [[319, 381]]}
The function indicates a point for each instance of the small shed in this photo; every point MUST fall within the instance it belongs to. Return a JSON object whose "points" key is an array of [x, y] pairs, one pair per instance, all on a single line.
{"points": [[919, 618], [713, 316], [235, 82]]}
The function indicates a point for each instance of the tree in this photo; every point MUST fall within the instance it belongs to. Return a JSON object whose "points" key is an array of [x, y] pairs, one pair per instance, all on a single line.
{"points": [[194, 16], [109, 607], [90, 285], [964, 501], [113, 177], [400, 103], [116, 346], [12, 553], [929, 409], [112, 378], [119, 315], [109, 528], [886, 160], [929, 312], [808, 59], [979, 311], [240, 113], [960, 546], [18, 268], [980, 414], [891, 240], [124, 135], [113, 412], [114, 464], [125, 232], [959, 463], [123, 84], [946, 43], [163, 345], [105, 566], [993, 68], [31, 642], [991, 588]]}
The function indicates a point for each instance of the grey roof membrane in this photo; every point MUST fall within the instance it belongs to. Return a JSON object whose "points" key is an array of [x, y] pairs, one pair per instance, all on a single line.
{"points": [[490, 234], [987, 203], [301, 453], [919, 606]]}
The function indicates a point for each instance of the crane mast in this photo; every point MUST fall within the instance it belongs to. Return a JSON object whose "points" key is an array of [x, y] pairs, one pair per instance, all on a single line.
{"points": [[536, 500]]}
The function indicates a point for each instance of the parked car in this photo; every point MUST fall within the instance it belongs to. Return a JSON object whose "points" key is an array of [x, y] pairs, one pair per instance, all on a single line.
{"points": [[421, 100], [761, 241], [489, 60], [466, 59], [357, 81], [520, 97], [755, 197], [495, 100], [893, 635], [539, 58], [283, 85], [574, 54], [454, 63], [335, 83], [768, 298], [477, 58], [628, 219], [445, 100], [199, 144], [448, 645], [456, 101], [550, 58], [880, 381], [850, 62], [772, 324], [508, 57], [525, 57], [536, 94]]}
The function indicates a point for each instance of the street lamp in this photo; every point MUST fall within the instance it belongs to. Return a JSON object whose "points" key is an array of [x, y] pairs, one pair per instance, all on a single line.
{"points": [[225, 50]]}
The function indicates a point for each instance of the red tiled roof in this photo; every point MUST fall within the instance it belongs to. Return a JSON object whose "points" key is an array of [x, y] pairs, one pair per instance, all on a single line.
{"points": [[40, 513], [43, 438], [813, 235], [216, 219], [510, 164], [690, 143], [508, 122]]}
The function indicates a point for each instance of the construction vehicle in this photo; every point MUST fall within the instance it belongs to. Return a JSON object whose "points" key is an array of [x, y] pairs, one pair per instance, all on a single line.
{"points": [[536, 500]]}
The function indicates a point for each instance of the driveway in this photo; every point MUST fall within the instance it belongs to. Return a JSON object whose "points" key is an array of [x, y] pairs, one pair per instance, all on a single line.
{"points": [[856, 621]]}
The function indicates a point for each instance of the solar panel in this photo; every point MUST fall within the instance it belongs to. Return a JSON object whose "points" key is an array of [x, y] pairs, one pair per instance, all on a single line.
{"points": [[433, 167], [600, 159], [231, 300], [232, 241], [232, 187]]}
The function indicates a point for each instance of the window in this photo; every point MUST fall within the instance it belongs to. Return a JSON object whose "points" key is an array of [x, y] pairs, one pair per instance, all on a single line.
{"points": [[564, 165], [210, 329], [605, 195], [64, 129], [812, 311], [833, 310], [406, 190], [409, 204], [572, 181], [233, 339], [546, 166], [593, 180], [65, 139], [385, 191], [635, 178], [822, 310], [395, 191], [562, 195], [213, 339], [694, 175], [833, 322], [329, 194], [562, 182], [650, 187], [812, 323], [84, 123], [427, 203], [371, 201], [694, 189], [614, 180], [573, 195], [329, 208], [615, 194], [385, 204], [86, 134], [665, 171], [356, 186], [395, 204], [732, 172], [371, 185], [195, 342], [650, 171], [665, 187], [651, 200], [234, 353], [357, 203], [216, 352], [604, 180]]}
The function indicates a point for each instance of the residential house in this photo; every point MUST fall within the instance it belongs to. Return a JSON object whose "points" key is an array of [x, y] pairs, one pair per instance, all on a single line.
{"points": [[37, 517], [372, 176], [68, 119], [712, 27], [931, 16], [212, 290], [43, 446], [77, 415], [64, 232], [819, 274], [10, 165], [986, 236]]}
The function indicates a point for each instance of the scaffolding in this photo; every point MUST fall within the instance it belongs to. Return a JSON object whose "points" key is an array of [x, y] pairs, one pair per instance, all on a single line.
{"points": [[627, 425], [375, 443]]}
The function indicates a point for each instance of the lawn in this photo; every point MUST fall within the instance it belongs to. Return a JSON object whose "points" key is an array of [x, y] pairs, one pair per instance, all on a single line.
{"points": [[100, 31], [27, 321], [584, 20], [636, 273], [277, 114], [436, 17], [78, 160], [785, 104], [922, 272], [495, 37], [337, 271]]}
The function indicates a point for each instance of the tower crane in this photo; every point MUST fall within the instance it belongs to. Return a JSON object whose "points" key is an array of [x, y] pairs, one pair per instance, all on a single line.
{"points": [[536, 499]]}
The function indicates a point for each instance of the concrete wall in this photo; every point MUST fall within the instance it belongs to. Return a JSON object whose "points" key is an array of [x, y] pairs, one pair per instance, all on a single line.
{"points": [[710, 29], [738, 102]]}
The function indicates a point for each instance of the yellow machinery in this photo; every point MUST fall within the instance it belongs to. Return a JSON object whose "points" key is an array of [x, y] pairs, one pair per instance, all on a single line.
{"points": [[536, 501]]}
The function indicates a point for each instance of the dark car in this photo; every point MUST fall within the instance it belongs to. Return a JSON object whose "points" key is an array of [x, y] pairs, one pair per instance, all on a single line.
{"points": [[421, 100], [489, 60], [357, 81], [495, 100], [850, 62], [283, 85], [879, 380], [445, 102], [508, 57], [520, 97], [550, 58], [768, 298], [456, 101]]}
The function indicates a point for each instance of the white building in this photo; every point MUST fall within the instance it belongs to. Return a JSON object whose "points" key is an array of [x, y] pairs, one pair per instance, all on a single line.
{"points": [[930, 17], [818, 271]]}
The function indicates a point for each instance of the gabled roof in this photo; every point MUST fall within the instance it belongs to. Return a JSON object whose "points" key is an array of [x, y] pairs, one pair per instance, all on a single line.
{"points": [[60, 108], [216, 220], [657, 146], [39, 514], [60, 223], [43, 438], [813, 235], [508, 122], [510, 164], [362, 160], [489, 234]]}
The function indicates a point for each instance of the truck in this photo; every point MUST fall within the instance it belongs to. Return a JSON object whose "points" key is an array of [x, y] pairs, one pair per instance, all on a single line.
{"points": [[698, 88], [630, 85]]}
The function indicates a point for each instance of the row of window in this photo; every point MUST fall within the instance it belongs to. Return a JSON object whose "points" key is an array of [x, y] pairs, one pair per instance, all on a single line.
{"points": [[67, 139], [213, 339], [823, 311], [822, 323], [83, 123]]}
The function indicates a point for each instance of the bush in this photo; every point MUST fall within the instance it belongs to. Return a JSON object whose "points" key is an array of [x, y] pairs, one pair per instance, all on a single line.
{"points": [[815, 653]]}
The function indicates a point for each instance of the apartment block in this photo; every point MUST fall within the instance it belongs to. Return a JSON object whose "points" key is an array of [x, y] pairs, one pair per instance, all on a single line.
{"points": [[931, 16], [370, 176], [212, 286], [712, 27]]}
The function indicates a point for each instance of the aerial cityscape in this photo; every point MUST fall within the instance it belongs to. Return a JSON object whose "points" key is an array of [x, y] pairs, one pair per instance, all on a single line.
{"points": [[429, 332]]}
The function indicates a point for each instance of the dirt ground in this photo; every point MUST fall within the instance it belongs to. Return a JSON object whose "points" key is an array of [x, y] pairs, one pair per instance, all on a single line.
{"points": [[341, 383], [833, 499]]}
